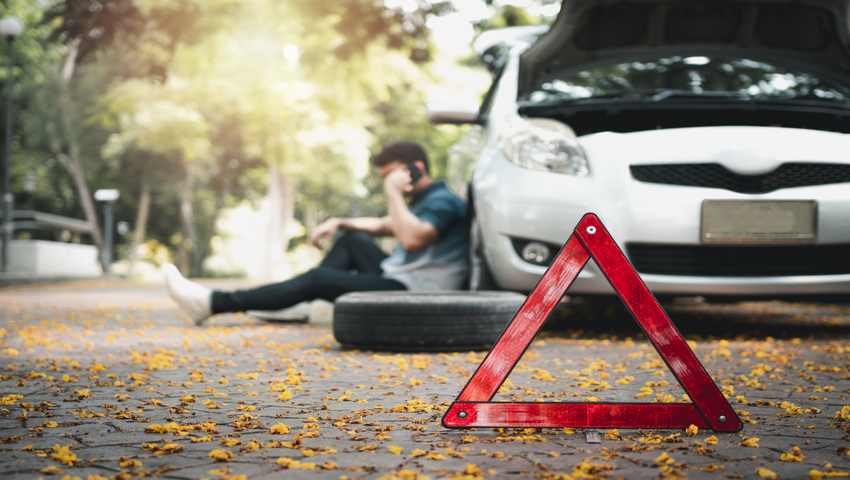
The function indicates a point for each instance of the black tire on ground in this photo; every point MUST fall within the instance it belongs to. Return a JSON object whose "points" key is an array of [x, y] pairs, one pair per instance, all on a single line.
{"points": [[423, 321]]}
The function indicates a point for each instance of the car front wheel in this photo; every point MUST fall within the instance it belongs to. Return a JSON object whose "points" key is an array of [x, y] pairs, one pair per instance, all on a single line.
{"points": [[480, 277]]}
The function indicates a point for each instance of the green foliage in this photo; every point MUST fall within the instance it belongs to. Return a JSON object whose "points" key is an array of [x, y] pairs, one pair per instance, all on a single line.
{"points": [[364, 23], [30, 59], [152, 118], [230, 86], [157, 27], [509, 16]]}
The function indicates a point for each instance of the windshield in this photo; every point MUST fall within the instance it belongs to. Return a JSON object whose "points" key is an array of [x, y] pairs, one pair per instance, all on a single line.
{"points": [[671, 77]]}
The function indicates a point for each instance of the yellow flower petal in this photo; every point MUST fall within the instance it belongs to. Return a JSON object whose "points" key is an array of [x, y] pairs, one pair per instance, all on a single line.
{"points": [[763, 472], [749, 442]]}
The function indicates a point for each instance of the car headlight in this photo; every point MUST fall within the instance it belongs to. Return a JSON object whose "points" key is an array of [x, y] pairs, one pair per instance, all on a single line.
{"points": [[545, 145]]}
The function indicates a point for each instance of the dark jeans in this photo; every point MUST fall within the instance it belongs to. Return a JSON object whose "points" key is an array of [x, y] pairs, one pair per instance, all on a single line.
{"points": [[352, 265]]}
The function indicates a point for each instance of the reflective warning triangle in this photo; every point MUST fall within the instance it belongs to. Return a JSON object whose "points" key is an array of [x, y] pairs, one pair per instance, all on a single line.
{"points": [[474, 408]]}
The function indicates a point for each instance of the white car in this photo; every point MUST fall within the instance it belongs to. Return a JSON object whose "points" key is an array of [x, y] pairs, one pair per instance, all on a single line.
{"points": [[711, 138]]}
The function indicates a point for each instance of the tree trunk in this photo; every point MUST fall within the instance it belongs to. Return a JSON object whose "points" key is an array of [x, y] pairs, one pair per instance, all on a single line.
{"points": [[141, 224], [312, 218], [281, 212], [187, 220], [71, 159], [204, 247], [75, 169]]}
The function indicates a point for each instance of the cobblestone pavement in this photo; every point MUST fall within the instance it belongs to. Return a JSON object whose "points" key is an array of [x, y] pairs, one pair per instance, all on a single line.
{"points": [[109, 380]]}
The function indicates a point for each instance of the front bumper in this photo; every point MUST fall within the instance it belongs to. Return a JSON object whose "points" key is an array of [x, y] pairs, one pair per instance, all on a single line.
{"points": [[512, 202]]}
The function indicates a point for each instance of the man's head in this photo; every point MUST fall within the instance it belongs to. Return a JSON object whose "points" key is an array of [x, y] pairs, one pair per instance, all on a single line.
{"points": [[400, 156], [403, 152]]}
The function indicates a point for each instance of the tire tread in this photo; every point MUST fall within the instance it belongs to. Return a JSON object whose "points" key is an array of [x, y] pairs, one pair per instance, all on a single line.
{"points": [[432, 321]]}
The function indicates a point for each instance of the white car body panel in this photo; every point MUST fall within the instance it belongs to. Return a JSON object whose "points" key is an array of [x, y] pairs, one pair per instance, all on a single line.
{"points": [[511, 201]]}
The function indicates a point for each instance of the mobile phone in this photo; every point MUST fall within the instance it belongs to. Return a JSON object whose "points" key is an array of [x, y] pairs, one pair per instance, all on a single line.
{"points": [[415, 173]]}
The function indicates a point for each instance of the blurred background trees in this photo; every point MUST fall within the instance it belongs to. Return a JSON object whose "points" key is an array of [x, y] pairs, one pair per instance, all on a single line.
{"points": [[203, 111]]}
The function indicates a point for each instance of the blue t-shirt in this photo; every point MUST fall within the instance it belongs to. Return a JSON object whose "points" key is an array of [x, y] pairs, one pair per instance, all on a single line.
{"points": [[443, 265]]}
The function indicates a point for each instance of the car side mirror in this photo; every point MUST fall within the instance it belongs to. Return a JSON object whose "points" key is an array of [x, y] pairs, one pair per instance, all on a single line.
{"points": [[453, 112]]}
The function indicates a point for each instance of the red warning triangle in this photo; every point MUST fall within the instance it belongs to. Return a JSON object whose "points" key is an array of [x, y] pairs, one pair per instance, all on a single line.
{"points": [[474, 408]]}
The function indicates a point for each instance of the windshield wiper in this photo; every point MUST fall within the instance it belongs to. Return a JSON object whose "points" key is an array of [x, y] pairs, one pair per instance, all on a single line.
{"points": [[641, 96], [659, 95], [672, 94]]}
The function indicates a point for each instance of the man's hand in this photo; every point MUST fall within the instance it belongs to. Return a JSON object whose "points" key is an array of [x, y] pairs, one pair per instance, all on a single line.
{"points": [[397, 182], [324, 232]]}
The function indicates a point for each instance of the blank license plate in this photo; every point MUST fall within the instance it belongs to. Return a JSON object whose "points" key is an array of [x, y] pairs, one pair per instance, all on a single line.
{"points": [[758, 221]]}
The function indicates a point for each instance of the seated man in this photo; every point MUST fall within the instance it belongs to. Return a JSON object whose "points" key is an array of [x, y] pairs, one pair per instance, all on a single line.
{"points": [[431, 252]]}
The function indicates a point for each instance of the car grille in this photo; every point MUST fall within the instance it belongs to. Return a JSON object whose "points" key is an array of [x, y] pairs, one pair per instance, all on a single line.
{"points": [[740, 261], [714, 175]]}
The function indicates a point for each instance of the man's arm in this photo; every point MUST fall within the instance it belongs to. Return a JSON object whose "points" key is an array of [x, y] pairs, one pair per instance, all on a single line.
{"points": [[413, 233], [376, 227]]}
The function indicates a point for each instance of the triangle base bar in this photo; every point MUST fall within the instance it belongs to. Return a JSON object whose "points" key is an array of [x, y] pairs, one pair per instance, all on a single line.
{"points": [[578, 415]]}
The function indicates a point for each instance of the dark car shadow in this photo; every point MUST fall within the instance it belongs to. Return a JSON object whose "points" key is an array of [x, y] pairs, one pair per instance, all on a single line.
{"points": [[758, 319]]}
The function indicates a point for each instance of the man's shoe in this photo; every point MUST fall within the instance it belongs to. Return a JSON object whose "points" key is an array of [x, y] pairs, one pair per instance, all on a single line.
{"points": [[195, 300], [296, 313]]}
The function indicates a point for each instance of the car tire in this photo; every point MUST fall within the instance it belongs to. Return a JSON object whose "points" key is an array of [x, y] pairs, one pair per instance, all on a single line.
{"points": [[480, 277], [423, 321]]}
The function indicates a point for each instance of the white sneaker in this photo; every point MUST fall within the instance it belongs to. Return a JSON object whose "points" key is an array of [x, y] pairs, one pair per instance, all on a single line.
{"points": [[296, 313], [195, 300]]}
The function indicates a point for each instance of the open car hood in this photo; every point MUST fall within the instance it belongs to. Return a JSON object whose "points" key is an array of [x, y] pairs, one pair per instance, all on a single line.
{"points": [[812, 34]]}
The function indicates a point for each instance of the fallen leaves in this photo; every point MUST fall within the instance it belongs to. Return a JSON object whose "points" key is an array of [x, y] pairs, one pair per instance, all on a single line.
{"points": [[64, 455], [765, 473], [273, 384], [169, 428], [790, 408], [221, 455], [414, 406], [588, 468], [793, 455], [11, 399], [129, 463], [287, 462], [817, 474], [749, 442], [163, 449], [279, 429], [651, 439], [293, 464], [644, 392]]}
